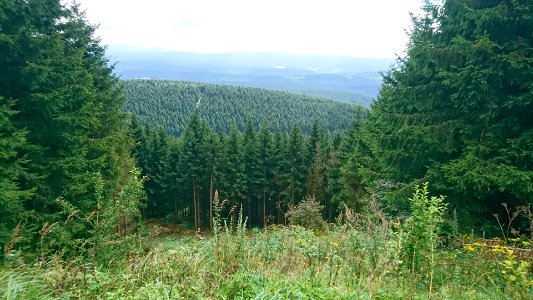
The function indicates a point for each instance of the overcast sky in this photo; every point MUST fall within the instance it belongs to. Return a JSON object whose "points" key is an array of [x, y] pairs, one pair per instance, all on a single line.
{"points": [[370, 28]]}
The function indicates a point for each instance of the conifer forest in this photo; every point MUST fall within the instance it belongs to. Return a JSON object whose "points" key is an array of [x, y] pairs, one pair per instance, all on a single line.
{"points": [[168, 189]]}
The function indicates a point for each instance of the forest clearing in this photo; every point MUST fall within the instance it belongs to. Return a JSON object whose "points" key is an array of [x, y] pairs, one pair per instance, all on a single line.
{"points": [[165, 189], [360, 257]]}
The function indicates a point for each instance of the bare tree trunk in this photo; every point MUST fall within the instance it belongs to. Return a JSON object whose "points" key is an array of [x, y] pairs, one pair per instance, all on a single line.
{"points": [[211, 201], [293, 188], [264, 207], [250, 210], [198, 208], [195, 204], [330, 207]]}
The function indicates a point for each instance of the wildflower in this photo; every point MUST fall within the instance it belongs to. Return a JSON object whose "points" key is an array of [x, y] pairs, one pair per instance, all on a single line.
{"points": [[469, 248], [335, 244]]}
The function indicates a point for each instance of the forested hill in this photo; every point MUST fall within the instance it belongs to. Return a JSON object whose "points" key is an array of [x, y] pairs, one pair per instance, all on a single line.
{"points": [[169, 104]]}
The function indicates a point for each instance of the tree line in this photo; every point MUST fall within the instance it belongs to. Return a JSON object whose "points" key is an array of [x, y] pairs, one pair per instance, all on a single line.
{"points": [[263, 170]]}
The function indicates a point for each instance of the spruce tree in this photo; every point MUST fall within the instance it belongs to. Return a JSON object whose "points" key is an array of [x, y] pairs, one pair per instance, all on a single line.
{"points": [[266, 169], [195, 158], [295, 168], [12, 142], [157, 166], [234, 169], [70, 103], [457, 110], [315, 138], [278, 181], [354, 153], [251, 171], [316, 180], [214, 154]]}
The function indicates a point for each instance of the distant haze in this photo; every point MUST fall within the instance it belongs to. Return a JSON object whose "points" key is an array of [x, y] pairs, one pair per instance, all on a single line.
{"points": [[329, 27], [347, 79]]}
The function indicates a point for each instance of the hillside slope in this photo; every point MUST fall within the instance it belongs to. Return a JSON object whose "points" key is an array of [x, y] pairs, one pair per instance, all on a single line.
{"points": [[347, 79], [169, 104]]}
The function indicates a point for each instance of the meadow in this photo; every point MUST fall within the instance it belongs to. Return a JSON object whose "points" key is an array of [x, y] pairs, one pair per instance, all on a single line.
{"points": [[360, 257]]}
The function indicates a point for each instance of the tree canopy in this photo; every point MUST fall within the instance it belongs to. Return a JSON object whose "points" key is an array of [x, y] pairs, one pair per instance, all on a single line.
{"points": [[168, 104], [458, 109], [65, 137]]}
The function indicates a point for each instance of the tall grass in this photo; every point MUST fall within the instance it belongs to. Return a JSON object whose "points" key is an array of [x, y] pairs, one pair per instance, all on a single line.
{"points": [[362, 257], [18, 284], [276, 263]]}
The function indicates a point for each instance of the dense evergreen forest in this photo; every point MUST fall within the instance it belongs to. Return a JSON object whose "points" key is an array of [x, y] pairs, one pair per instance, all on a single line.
{"points": [[265, 170], [64, 143], [150, 189], [169, 104]]}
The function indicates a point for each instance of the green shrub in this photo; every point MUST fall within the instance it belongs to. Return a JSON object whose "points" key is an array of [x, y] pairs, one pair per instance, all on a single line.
{"points": [[308, 214], [422, 229]]}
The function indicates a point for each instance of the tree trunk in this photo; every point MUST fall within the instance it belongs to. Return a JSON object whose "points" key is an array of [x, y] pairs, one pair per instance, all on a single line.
{"points": [[195, 204], [264, 207], [250, 210], [211, 201], [198, 208], [293, 188], [175, 205]]}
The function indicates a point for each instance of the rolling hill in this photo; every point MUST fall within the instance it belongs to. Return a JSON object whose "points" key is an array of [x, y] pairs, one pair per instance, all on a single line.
{"points": [[169, 104], [347, 79]]}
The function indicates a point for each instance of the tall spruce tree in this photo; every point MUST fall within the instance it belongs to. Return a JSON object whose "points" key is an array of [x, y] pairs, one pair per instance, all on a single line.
{"points": [[316, 137], [173, 178], [295, 168], [12, 143], [251, 171], [195, 158], [157, 173], [214, 154], [266, 169], [355, 154], [70, 103], [316, 179], [278, 183], [458, 111], [234, 180]]}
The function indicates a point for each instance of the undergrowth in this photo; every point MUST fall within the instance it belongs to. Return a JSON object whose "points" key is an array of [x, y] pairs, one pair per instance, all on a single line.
{"points": [[361, 257]]}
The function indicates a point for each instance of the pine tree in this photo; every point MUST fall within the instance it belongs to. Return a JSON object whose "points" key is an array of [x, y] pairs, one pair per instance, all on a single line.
{"points": [[157, 165], [12, 142], [195, 159], [70, 103], [294, 164], [278, 181], [316, 180], [234, 168], [266, 168], [214, 154], [457, 111], [251, 172], [354, 155]]}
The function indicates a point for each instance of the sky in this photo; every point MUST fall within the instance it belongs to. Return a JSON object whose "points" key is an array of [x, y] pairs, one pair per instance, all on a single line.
{"points": [[371, 28]]}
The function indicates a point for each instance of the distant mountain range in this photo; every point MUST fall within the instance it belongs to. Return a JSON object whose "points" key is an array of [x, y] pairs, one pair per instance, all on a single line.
{"points": [[347, 79]]}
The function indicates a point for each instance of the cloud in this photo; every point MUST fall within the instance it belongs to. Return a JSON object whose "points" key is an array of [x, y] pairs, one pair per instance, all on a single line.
{"points": [[344, 27]]}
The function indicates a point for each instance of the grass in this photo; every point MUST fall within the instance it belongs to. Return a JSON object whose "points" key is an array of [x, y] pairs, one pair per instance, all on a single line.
{"points": [[344, 262]]}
